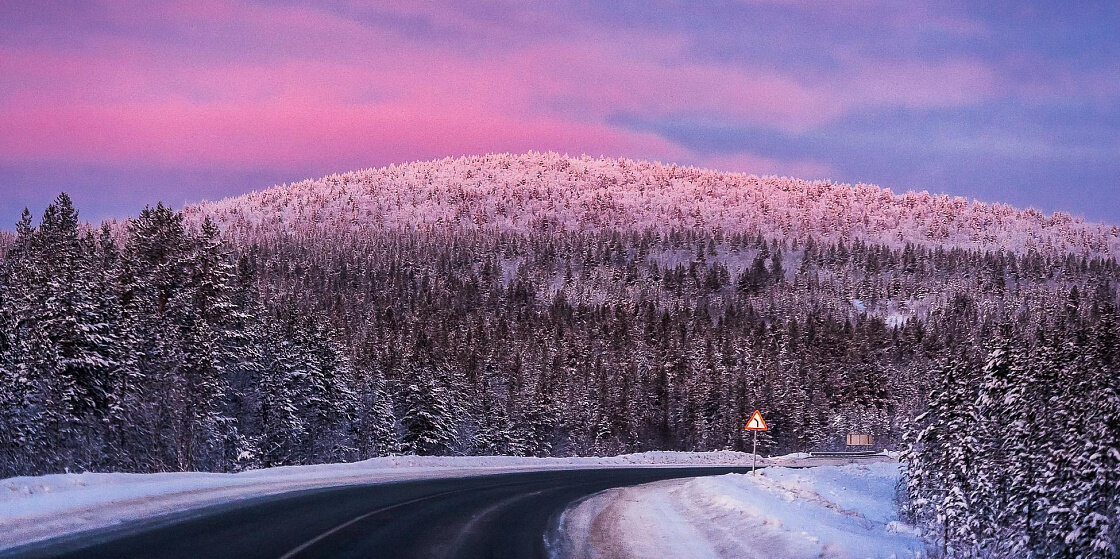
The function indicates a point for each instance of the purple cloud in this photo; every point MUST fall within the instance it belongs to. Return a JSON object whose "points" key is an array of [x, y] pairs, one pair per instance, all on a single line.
{"points": [[291, 87]]}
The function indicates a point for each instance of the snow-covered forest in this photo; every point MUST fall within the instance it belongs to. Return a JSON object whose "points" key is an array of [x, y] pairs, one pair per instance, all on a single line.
{"points": [[540, 192], [1018, 451], [551, 306]]}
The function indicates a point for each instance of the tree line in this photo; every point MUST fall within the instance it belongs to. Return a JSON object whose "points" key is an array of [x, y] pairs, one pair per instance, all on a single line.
{"points": [[144, 350]]}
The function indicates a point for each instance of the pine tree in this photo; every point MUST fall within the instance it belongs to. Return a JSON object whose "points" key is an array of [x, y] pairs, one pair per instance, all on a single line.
{"points": [[538, 423], [375, 424], [496, 434], [19, 427], [123, 382], [426, 415], [997, 407], [324, 398], [940, 462], [281, 425]]}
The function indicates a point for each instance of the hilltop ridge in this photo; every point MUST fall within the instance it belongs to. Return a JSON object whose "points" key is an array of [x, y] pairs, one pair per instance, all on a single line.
{"points": [[549, 191]]}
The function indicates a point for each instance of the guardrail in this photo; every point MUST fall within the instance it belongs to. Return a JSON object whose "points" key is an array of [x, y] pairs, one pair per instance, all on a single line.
{"points": [[845, 454]]}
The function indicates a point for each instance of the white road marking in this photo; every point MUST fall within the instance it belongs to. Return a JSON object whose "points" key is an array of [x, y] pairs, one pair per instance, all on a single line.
{"points": [[359, 518], [469, 526]]}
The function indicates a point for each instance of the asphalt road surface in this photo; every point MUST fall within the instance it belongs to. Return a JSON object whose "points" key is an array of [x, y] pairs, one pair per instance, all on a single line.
{"points": [[504, 515]]}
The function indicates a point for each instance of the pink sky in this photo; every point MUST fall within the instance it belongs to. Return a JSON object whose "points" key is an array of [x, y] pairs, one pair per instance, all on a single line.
{"points": [[290, 88]]}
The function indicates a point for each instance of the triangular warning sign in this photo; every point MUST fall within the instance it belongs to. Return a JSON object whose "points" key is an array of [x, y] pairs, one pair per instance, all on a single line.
{"points": [[756, 423]]}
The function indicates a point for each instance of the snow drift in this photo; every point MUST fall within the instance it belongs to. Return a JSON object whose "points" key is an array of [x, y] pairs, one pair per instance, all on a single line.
{"points": [[827, 511]]}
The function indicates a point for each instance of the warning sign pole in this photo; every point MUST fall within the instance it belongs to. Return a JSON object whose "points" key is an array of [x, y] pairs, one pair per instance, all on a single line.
{"points": [[756, 424], [754, 451]]}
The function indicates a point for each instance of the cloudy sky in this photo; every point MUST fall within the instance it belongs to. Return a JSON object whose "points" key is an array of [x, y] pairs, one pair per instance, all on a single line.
{"points": [[125, 103]]}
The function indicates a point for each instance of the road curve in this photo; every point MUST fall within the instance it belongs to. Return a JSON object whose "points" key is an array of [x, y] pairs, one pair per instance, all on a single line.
{"points": [[500, 515]]}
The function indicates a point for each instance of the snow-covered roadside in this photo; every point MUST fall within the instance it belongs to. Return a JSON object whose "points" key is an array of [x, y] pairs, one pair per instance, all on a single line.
{"points": [[827, 511], [35, 508]]}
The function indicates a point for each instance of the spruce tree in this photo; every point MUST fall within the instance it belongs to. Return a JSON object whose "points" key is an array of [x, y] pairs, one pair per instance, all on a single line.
{"points": [[425, 415]]}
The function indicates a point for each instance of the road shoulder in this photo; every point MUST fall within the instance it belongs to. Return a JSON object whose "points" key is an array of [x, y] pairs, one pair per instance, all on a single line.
{"points": [[824, 511]]}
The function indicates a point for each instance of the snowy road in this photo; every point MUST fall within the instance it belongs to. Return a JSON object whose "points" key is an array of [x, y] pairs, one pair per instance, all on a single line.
{"points": [[504, 515]]}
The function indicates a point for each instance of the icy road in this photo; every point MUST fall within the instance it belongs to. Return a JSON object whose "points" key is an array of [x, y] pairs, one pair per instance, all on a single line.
{"points": [[503, 515], [647, 505]]}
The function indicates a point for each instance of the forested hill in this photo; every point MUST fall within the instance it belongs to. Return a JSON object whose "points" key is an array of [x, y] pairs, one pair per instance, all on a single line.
{"points": [[542, 305], [539, 192]]}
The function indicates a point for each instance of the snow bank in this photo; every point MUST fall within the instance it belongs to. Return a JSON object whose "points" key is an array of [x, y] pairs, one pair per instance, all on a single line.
{"points": [[40, 507], [827, 511]]}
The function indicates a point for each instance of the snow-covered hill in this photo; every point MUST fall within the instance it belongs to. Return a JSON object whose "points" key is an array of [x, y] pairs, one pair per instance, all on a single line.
{"points": [[549, 191]]}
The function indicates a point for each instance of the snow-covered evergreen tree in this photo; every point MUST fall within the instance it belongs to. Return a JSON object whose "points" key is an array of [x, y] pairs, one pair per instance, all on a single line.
{"points": [[426, 414]]}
